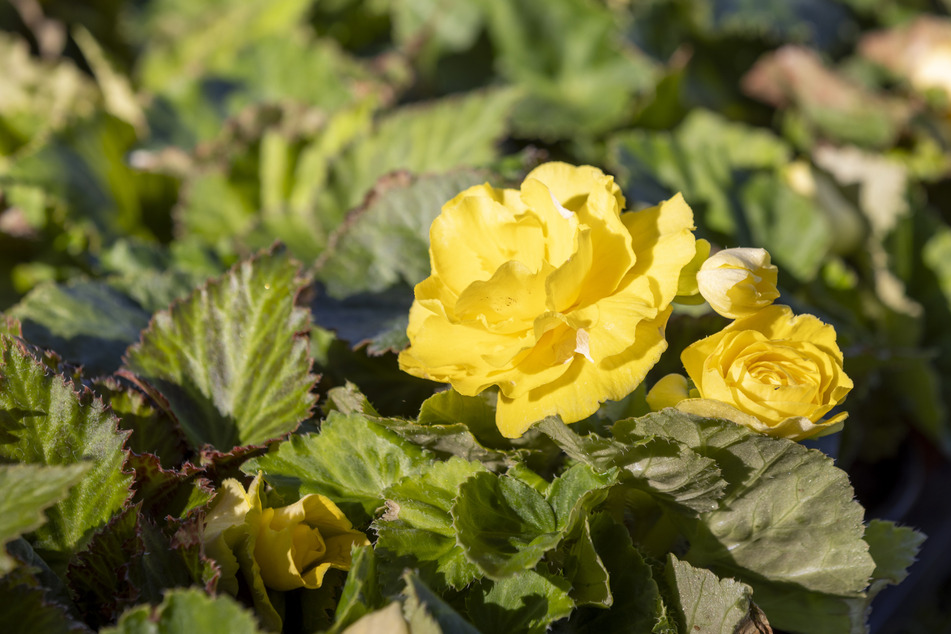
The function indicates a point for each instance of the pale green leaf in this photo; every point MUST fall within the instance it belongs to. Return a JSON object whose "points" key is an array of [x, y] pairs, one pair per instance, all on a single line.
{"points": [[229, 359], [503, 525], [186, 611], [705, 602], [525, 602], [353, 460], [418, 525], [360, 593], [587, 572], [893, 548], [788, 514], [43, 421], [576, 492], [28, 489]]}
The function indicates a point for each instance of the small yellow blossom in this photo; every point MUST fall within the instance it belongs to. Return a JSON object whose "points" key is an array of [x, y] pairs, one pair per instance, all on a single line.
{"points": [[549, 292], [773, 372], [294, 545]]}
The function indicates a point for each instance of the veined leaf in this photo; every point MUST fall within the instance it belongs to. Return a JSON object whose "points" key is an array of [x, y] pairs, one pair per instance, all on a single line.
{"points": [[788, 523], [386, 240], [503, 525], [28, 489], [26, 608], [663, 468], [417, 523], [43, 421], [423, 609], [705, 602], [353, 460], [230, 359]]}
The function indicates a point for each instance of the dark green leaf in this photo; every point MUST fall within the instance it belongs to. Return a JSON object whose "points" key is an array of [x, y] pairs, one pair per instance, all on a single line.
{"points": [[185, 611], [524, 602]]}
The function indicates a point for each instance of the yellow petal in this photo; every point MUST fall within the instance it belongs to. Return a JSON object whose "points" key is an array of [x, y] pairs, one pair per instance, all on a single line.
{"points": [[571, 183], [578, 392], [667, 392], [229, 508]]}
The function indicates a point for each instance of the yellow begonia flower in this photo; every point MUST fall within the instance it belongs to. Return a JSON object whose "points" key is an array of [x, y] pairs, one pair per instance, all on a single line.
{"points": [[773, 372], [294, 546], [549, 292], [738, 282]]}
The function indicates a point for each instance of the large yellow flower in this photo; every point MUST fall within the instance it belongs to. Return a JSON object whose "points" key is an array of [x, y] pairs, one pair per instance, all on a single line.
{"points": [[773, 372], [294, 545], [549, 292]]}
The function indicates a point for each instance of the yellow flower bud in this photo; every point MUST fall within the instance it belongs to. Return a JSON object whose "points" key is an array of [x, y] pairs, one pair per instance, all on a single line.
{"points": [[738, 282], [294, 545], [667, 392]]}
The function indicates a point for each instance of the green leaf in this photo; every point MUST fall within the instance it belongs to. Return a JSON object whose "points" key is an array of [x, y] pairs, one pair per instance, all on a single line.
{"points": [[576, 492], [706, 158], [524, 602], [418, 526], [185, 611], [634, 603], [43, 421], [503, 525], [353, 460], [579, 72], [386, 240], [28, 489], [230, 359], [361, 593], [25, 608], [893, 548], [664, 468], [705, 602], [586, 571], [423, 608], [87, 322]]}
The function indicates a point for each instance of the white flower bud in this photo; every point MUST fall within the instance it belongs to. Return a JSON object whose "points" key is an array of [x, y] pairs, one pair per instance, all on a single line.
{"points": [[738, 282]]}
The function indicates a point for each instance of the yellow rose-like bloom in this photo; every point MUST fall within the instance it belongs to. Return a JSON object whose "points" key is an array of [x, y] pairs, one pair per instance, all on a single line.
{"points": [[549, 292], [294, 545], [738, 282], [777, 374]]}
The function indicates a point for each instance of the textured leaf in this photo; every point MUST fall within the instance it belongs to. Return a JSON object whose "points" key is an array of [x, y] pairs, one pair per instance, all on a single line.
{"points": [[28, 489], [787, 524], [524, 602], [43, 421], [353, 460], [86, 322], [666, 470], [229, 359], [185, 611], [386, 240], [503, 525], [707, 603], [418, 525], [576, 492], [587, 572]]}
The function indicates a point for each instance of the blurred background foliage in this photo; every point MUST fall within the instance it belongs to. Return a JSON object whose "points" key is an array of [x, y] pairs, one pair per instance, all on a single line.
{"points": [[146, 145]]}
